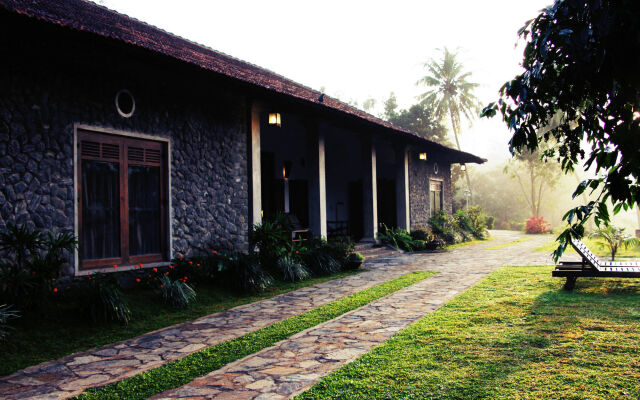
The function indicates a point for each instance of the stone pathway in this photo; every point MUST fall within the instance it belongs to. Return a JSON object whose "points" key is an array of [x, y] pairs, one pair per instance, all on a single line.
{"points": [[295, 364], [289, 369]]}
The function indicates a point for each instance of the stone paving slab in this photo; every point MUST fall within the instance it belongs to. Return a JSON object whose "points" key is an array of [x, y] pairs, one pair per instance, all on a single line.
{"points": [[69, 376], [295, 364]]}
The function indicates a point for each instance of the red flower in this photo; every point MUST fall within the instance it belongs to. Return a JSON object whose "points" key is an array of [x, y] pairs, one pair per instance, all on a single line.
{"points": [[140, 265], [161, 285], [166, 273], [55, 290], [171, 266], [190, 262], [155, 269], [197, 265], [138, 280], [297, 252], [185, 278], [115, 265], [214, 252]]}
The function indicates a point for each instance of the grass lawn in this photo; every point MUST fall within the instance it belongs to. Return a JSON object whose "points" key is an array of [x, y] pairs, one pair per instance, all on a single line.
{"points": [[515, 335], [181, 372], [595, 246], [500, 246], [60, 331], [476, 241]]}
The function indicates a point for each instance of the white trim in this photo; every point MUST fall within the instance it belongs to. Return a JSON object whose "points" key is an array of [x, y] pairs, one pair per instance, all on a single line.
{"points": [[76, 195]]}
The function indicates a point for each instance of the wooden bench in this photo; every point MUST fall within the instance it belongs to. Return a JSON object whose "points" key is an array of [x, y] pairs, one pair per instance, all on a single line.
{"points": [[592, 266]]}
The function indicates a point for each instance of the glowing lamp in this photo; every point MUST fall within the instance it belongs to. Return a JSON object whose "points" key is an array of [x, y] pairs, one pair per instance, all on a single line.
{"points": [[463, 167], [274, 119], [422, 156], [286, 170]]}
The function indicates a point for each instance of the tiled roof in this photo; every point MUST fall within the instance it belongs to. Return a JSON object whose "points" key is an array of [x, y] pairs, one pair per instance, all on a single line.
{"points": [[90, 17]]}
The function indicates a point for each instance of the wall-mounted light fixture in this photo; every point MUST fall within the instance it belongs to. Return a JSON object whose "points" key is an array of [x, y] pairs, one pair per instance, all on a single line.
{"points": [[422, 156], [463, 167], [286, 170], [274, 119]]}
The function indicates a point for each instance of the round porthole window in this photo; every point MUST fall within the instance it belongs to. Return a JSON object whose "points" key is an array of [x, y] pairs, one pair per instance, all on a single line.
{"points": [[435, 168], [125, 104]]}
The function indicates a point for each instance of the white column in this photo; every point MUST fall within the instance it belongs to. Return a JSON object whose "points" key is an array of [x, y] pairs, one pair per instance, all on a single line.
{"points": [[256, 186], [317, 183], [370, 191], [402, 187]]}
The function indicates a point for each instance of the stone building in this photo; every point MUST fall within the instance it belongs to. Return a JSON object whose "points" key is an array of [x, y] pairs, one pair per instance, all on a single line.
{"points": [[149, 146]]}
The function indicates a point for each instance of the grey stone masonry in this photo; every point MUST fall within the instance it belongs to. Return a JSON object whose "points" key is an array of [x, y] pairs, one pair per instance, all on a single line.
{"points": [[420, 175], [57, 79]]}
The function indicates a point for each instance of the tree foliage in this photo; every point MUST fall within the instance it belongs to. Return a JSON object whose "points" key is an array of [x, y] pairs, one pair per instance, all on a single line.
{"points": [[451, 94], [581, 60], [419, 118]]}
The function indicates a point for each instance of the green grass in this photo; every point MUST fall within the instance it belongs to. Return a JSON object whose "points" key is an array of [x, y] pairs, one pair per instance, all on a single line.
{"points": [[59, 331], [595, 246], [457, 245], [515, 335], [500, 246], [181, 372]]}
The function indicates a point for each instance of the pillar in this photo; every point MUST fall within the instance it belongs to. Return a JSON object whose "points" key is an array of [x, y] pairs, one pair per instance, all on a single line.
{"points": [[317, 181], [370, 191], [402, 187], [256, 187]]}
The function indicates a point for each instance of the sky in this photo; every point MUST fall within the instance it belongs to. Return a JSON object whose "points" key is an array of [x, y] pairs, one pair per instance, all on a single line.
{"points": [[361, 49]]}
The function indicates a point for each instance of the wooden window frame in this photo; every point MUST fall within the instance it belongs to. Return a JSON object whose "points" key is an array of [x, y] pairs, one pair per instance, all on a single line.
{"points": [[433, 182], [124, 143]]}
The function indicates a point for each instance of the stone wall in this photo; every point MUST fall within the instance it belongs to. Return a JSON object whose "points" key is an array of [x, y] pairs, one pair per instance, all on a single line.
{"points": [[420, 172], [58, 78]]}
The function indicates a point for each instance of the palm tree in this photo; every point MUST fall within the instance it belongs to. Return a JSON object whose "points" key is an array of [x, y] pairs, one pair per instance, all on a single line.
{"points": [[451, 95], [614, 238]]}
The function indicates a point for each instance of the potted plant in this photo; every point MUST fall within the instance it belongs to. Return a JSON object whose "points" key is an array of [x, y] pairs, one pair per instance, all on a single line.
{"points": [[355, 260]]}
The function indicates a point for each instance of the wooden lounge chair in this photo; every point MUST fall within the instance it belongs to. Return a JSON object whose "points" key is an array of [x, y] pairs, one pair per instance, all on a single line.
{"points": [[592, 266]]}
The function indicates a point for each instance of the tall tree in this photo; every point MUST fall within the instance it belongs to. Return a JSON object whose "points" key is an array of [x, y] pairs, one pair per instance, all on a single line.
{"points": [[535, 176], [390, 107], [581, 59], [451, 95]]}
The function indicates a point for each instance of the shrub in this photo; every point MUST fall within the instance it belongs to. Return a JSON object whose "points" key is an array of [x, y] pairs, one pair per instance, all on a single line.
{"points": [[435, 243], [319, 261], [339, 248], [399, 238], [537, 225], [271, 239], [490, 221], [443, 228], [176, 293], [421, 234], [243, 273], [6, 314], [34, 263], [291, 270], [478, 221], [101, 299]]}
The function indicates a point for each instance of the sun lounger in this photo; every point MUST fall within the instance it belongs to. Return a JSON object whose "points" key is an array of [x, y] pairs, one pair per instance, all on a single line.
{"points": [[592, 266]]}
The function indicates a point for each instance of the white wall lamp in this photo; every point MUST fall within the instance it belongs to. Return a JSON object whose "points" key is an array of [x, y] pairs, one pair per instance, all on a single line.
{"points": [[422, 156], [463, 167], [274, 119]]}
